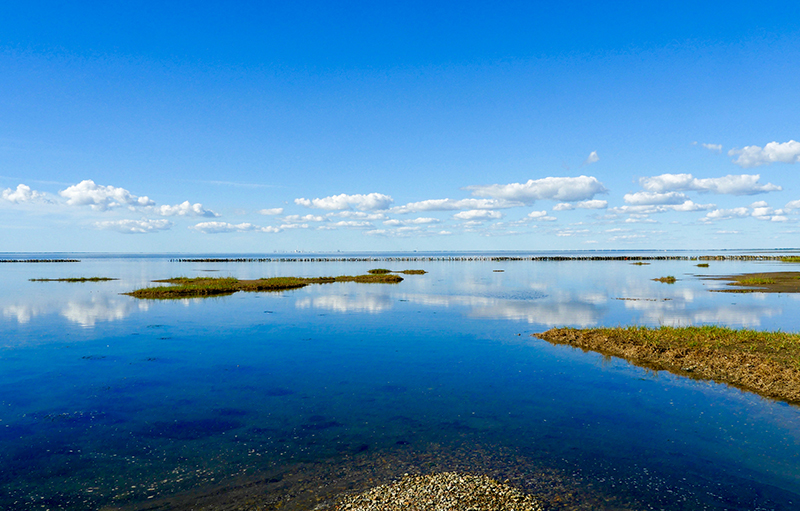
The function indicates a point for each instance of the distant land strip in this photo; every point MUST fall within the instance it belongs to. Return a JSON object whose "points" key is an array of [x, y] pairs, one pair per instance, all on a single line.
{"points": [[485, 258], [40, 260]]}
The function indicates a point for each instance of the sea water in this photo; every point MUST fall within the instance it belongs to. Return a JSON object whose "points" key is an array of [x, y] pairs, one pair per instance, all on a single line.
{"points": [[111, 401]]}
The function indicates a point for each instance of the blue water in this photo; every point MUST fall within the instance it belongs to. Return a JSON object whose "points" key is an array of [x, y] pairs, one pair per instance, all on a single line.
{"points": [[107, 400]]}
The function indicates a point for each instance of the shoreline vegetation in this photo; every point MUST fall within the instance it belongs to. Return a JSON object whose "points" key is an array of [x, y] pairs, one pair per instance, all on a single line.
{"points": [[766, 363], [199, 287], [75, 279], [770, 282]]}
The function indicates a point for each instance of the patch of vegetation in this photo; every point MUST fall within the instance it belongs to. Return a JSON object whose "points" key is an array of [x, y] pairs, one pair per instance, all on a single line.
{"points": [[198, 287], [790, 259], [767, 363], [669, 279], [379, 271], [75, 279], [702, 265], [413, 272], [753, 281], [640, 264]]}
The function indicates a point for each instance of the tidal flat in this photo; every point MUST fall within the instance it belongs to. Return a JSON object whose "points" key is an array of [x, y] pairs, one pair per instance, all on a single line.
{"points": [[305, 398]]}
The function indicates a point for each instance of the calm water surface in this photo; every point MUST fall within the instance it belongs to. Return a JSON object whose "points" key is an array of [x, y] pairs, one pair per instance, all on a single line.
{"points": [[109, 401]]}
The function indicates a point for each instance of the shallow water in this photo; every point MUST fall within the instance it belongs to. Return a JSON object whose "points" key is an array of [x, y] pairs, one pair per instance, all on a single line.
{"points": [[107, 400]]}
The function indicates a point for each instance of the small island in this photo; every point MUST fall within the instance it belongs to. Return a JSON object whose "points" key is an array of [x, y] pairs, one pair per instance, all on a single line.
{"points": [[771, 282], [199, 287], [766, 363]]}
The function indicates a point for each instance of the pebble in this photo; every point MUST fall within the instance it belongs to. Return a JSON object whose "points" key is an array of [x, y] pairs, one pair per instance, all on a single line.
{"points": [[447, 491]]}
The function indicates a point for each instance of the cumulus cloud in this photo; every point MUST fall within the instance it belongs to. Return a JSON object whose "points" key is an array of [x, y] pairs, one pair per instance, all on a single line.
{"points": [[795, 204], [454, 204], [592, 204], [416, 221], [23, 193], [655, 198], [304, 218], [774, 152], [134, 226], [727, 214], [744, 184], [592, 158], [714, 148], [87, 193], [478, 214], [369, 202], [223, 227], [565, 189], [587, 204], [184, 209], [271, 211]]}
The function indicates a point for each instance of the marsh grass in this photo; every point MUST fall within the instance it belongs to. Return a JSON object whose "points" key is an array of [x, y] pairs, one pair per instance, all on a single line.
{"points": [[767, 363], [186, 287], [753, 281], [702, 265], [640, 264], [790, 259], [379, 271], [669, 279], [75, 279]]}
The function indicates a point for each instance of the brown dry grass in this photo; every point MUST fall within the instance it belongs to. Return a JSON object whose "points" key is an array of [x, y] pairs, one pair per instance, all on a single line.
{"points": [[767, 363]]}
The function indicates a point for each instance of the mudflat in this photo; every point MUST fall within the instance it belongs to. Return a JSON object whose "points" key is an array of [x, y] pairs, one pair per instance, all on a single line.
{"points": [[769, 282]]}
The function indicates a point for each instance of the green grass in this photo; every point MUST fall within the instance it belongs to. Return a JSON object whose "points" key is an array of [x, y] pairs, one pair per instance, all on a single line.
{"points": [[199, 287], [379, 271], [669, 279], [702, 265], [790, 259], [640, 264], [754, 281], [767, 363], [75, 279]]}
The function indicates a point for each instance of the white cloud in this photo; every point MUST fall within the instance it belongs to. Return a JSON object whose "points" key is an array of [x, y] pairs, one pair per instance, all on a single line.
{"points": [[563, 206], [744, 184], [795, 204], [23, 193], [592, 204], [726, 214], [369, 202], [358, 214], [271, 211], [551, 188], [537, 214], [454, 204], [304, 218], [223, 227], [715, 148], [654, 198], [416, 221], [185, 209], [592, 158], [134, 226], [87, 193], [477, 214], [754, 156], [692, 206]]}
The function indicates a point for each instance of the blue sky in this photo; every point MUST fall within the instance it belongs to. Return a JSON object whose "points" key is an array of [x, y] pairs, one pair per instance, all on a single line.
{"points": [[322, 126]]}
